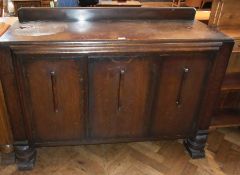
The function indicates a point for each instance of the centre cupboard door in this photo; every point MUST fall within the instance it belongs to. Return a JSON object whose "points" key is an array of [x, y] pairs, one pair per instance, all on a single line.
{"points": [[145, 96], [120, 93], [54, 96]]}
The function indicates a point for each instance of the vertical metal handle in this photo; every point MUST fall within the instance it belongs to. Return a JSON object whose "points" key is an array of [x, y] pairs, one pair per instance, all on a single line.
{"points": [[54, 91], [120, 85], [183, 78]]}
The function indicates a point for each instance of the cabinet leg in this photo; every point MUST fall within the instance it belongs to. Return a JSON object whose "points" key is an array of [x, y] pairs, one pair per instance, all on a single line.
{"points": [[195, 145], [7, 155], [25, 157]]}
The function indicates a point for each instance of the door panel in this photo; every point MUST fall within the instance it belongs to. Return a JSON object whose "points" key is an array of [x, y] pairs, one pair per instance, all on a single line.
{"points": [[56, 95], [129, 96], [180, 82], [157, 96], [119, 97]]}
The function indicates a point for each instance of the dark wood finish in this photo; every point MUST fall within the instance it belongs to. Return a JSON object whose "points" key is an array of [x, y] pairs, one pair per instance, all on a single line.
{"points": [[231, 81], [230, 99], [6, 139], [227, 117], [180, 74], [122, 83], [25, 3], [215, 80], [73, 14], [11, 95], [45, 3], [195, 145], [109, 75], [224, 17], [1, 8], [62, 111]]}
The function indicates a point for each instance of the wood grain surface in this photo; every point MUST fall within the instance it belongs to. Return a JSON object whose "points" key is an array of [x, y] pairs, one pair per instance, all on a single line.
{"points": [[140, 158], [5, 130]]}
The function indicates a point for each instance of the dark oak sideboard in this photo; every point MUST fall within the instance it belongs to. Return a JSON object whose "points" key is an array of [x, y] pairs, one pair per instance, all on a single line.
{"points": [[104, 75]]}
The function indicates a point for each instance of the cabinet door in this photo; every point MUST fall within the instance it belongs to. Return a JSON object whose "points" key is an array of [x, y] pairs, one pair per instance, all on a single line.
{"points": [[119, 97], [54, 96], [181, 80]]}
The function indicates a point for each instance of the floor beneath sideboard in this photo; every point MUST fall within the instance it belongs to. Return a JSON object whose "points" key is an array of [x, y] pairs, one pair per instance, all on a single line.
{"points": [[143, 158]]}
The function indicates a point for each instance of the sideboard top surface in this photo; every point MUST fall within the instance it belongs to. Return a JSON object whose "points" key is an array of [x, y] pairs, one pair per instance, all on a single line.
{"points": [[143, 29]]}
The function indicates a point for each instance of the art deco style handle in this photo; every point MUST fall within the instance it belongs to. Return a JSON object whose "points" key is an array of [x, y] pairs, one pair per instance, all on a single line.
{"points": [[120, 86], [54, 91], [179, 95]]}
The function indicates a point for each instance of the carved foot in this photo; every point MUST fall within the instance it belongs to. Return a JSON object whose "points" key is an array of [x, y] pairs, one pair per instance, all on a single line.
{"points": [[195, 145], [25, 157]]}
